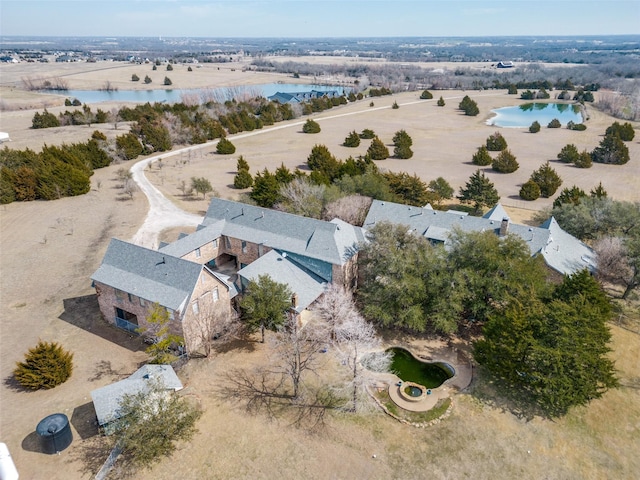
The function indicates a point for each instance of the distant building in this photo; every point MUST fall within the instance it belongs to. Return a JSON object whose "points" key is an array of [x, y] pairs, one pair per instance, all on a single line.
{"points": [[505, 65], [4, 137], [297, 97]]}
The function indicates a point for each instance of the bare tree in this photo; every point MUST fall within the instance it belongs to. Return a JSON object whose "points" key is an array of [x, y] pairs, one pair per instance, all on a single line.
{"points": [[354, 342], [619, 262], [212, 324], [301, 197], [129, 187], [296, 351], [351, 209]]}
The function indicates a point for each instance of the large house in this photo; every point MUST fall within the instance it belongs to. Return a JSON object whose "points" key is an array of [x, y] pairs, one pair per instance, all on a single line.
{"points": [[561, 251], [199, 274], [298, 97]]}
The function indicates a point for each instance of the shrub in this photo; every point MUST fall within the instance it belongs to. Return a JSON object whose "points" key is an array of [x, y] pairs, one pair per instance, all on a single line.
{"points": [[440, 102], [189, 69], [135, 78], [583, 160], [535, 127], [530, 191], [169, 67], [128, 146], [512, 89], [555, 123], [542, 93], [426, 95], [505, 162], [527, 95], [377, 150], [395, 105], [98, 135], [482, 157], [367, 134], [47, 365], [225, 147], [624, 131], [167, 81], [401, 137], [496, 142], [147, 79], [44, 120], [580, 127], [352, 140], [311, 126], [402, 151], [568, 154]]}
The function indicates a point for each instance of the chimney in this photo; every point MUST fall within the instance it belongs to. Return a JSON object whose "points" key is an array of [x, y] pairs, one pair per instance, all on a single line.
{"points": [[504, 226], [294, 300]]}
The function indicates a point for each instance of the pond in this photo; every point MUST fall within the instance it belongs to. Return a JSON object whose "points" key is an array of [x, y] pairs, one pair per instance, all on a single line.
{"points": [[524, 115], [409, 369], [176, 95]]}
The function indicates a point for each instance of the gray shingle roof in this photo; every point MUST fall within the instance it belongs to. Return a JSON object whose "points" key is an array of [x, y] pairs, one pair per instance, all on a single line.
{"points": [[148, 274], [562, 252], [106, 400], [280, 268], [333, 242]]}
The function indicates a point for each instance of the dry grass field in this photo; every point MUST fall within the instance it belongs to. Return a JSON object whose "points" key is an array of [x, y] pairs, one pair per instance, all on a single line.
{"points": [[48, 250]]}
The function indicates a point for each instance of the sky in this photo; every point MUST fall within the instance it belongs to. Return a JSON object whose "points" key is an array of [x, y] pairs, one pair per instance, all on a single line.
{"points": [[318, 18]]}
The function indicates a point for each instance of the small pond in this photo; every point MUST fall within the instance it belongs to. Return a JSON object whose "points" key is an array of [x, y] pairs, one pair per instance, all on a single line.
{"points": [[176, 95], [410, 369], [524, 115]]}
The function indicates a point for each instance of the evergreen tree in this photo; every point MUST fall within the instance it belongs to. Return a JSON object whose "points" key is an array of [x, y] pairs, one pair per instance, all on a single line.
{"points": [[530, 191], [496, 142], [352, 140], [547, 179], [512, 89], [377, 150], [426, 95], [46, 365], [442, 189], [321, 160], [402, 151], [479, 191], [505, 162], [401, 137], [167, 81], [624, 131], [535, 127], [265, 304], [367, 134], [598, 192], [225, 147], [568, 154], [611, 150], [468, 106], [266, 189], [128, 146], [584, 160], [311, 126], [243, 179], [44, 120], [409, 189], [555, 123], [147, 79], [440, 102], [482, 157], [571, 195]]}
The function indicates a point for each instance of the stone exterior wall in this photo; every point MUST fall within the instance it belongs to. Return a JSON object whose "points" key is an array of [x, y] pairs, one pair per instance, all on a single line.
{"points": [[196, 324], [109, 299], [249, 254], [205, 253], [347, 274]]}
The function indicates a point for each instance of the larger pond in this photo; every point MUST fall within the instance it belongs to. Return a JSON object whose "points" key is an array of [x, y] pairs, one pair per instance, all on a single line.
{"points": [[202, 95], [409, 369], [524, 115]]}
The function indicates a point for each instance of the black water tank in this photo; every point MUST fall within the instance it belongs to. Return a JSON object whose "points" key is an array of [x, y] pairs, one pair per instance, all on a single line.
{"points": [[55, 433]]}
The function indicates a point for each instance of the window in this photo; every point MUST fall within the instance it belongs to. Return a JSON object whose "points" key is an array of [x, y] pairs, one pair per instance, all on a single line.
{"points": [[197, 252], [244, 246], [142, 302], [131, 297], [170, 313], [215, 243], [120, 295], [227, 242], [216, 294], [195, 307]]}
